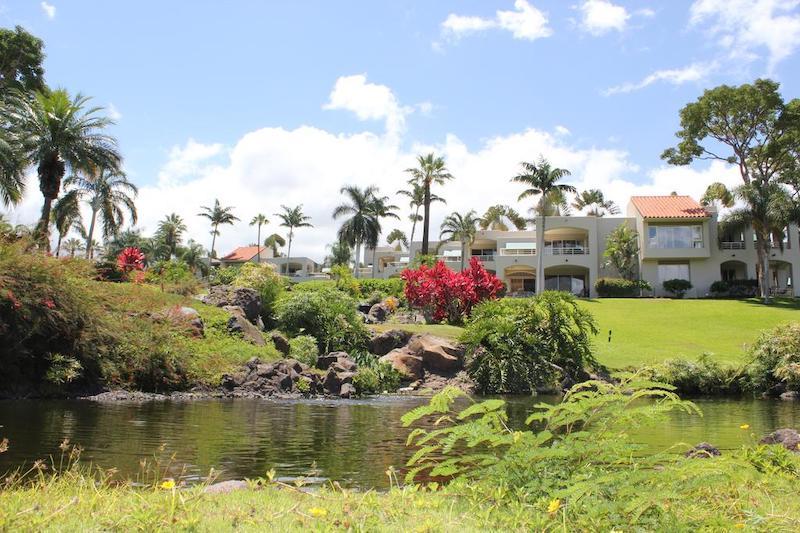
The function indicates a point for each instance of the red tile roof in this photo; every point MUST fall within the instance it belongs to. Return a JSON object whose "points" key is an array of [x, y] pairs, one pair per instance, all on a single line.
{"points": [[242, 253], [669, 207]]}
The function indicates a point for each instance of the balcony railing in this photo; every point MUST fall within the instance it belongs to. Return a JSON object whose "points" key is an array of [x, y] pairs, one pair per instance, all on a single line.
{"points": [[517, 251], [484, 257], [732, 245], [566, 250], [449, 258]]}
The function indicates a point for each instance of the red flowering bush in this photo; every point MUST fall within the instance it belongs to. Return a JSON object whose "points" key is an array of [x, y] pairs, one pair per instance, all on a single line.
{"points": [[442, 294], [130, 259]]}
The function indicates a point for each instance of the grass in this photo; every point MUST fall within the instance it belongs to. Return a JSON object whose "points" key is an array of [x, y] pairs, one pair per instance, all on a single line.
{"points": [[445, 331]]}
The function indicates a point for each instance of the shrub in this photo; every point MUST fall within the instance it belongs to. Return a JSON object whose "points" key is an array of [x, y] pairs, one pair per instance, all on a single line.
{"points": [[677, 287], [375, 298], [314, 285], [173, 276], [328, 315], [620, 287], [374, 376], [702, 377], [775, 360], [735, 288], [386, 287], [519, 345], [304, 349], [107, 270], [442, 294], [267, 282], [344, 280], [223, 275]]}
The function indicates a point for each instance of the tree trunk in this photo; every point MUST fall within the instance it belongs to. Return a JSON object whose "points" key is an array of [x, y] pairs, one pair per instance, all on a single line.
{"points": [[289, 251], [426, 222], [58, 245], [213, 243], [540, 251], [463, 254], [356, 263], [258, 243], [374, 266], [413, 228], [90, 235], [763, 249]]}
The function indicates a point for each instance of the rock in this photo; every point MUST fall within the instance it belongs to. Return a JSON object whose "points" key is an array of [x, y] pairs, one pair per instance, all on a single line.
{"points": [[364, 307], [436, 353], [408, 364], [224, 487], [378, 313], [703, 450], [341, 358], [347, 390], [284, 382], [226, 295], [194, 318], [331, 382], [281, 342], [387, 341], [790, 395], [238, 324], [788, 437], [252, 363]]}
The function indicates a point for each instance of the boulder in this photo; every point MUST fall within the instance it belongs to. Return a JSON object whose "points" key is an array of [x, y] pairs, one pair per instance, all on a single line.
{"points": [[408, 364], [387, 341], [347, 390], [238, 324], [789, 438], [703, 450], [436, 353], [224, 487], [364, 307], [331, 382], [191, 315], [226, 295], [790, 395], [341, 359], [281, 342], [378, 313]]}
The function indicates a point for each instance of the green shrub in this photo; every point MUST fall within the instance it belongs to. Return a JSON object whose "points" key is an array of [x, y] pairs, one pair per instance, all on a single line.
{"points": [[303, 348], [735, 288], [374, 376], [314, 285], [328, 315], [344, 280], [775, 360], [267, 282], [385, 287], [223, 275], [519, 345], [620, 288], [677, 287], [173, 276], [702, 377]]}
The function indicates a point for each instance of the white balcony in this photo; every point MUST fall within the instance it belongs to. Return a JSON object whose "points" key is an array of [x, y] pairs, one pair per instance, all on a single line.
{"points": [[566, 250], [517, 251], [484, 257], [732, 245], [449, 258]]}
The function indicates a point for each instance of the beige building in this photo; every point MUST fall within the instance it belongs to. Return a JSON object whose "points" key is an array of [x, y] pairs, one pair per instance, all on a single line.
{"points": [[300, 268], [678, 238]]}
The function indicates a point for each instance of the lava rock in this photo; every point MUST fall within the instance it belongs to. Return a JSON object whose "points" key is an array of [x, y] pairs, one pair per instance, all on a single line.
{"points": [[378, 313], [408, 364], [238, 324], [787, 437], [347, 390], [225, 295], [703, 450], [387, 341], [436, 353], [281, 342]]}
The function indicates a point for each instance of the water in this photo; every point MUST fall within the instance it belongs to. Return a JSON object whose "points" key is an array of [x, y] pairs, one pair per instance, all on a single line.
{"points": [[352, 442]]}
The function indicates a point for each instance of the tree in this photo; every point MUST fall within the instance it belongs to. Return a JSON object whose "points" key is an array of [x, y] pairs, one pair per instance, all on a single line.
{"points": [[218, 216], [381, 208], [553, 204], [751, 127], [500, 217], [21, 58], [12, 170], [340, 254], [293, 217], [193, 257], [430, 169], [622, 251], [397, 236], [717, 192], [154, 249], [259, 220], [109, 195], [542, 180], [461, 228], [362, 225], [416, 196], [66, 216], [171, 230], [595, 201], [73, 245], [274, 241], [56, 133]]}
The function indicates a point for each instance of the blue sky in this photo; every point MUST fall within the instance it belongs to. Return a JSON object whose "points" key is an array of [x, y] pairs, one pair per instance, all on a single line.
{"points": [[263, 103]]}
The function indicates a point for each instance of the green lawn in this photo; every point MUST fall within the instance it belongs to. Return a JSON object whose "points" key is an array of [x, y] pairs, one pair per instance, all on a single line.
{"points": [[440, 330]]}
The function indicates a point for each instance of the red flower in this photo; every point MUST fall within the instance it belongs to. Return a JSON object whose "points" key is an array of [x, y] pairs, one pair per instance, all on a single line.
{"points": [[130, 259], [48, 303]]}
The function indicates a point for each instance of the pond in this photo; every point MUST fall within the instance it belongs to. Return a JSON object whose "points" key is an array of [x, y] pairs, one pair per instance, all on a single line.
{"points": [[352, 442]]}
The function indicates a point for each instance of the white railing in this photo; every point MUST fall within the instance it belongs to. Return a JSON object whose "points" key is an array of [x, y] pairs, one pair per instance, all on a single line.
{"points": [[397, 264], [484, 257], [732, 245], [449, 258], [517, 251], [566, 250]]}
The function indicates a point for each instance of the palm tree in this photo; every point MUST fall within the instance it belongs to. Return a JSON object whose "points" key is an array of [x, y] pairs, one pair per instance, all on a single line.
{"points": [[380, 209], [56, 133], [397, 236], [171, 230], [596, 202], [109, 194], [66, 216], [73, 245], [416, 198], [717, 192], [12, 170], [462, 228], [218, 215], [154, 249], [498, 217], [553, 204], [541, 179], [293, 217], [430, 170], [274, 241], [259, 220], [340, 254], [193, 256], [363, 225]]}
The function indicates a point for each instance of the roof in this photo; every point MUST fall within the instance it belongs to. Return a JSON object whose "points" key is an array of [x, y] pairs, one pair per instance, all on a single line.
{"points": [[242, 253], [684, 207]]}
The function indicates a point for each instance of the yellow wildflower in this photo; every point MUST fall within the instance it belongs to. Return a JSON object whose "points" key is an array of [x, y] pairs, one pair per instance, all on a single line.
{"points": [[739, 525], [318, 512], [744, 426], [554, 506], [168, 484]]}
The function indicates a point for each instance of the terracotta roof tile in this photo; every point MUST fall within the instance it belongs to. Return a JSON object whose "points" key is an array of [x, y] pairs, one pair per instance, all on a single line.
{"points": [[242, 253], [669, 207]]}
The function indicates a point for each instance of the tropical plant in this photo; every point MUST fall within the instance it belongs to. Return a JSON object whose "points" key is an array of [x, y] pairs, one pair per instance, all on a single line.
{"points": [[259, 220], [109, 195], [266, 281], [130, 260], [66, 216], [717, 192], [171, 230], [57, 133], [416, 196], [193, 257], [363, 225], [622, 251], [303, 348], [218, 216], [677, 287], [774, 367], [154, 249], [292, 218], [73, 245], [12, 170], [541, 180], [595, 202], [429, 170], [620, 287], [274, 242], [397, 237], [340, 254], [381, 208], [501, 217], [461, 228], [21, 67]]}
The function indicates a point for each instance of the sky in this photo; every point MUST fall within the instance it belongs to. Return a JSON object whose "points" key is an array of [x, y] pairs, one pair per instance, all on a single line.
{"points": [[262, 104]]}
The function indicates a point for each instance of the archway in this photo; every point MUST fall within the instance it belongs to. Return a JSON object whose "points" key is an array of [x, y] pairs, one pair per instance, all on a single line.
{"points": [[567, 278], [781, 282], [520, 280], [733, 270]]}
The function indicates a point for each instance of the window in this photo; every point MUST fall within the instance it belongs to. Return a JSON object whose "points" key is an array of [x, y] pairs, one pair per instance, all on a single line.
{"points": [[675, 236], [673, 271]]}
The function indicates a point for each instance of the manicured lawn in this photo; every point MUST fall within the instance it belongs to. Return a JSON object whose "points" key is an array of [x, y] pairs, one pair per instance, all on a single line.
{"points": [[650, 330]]}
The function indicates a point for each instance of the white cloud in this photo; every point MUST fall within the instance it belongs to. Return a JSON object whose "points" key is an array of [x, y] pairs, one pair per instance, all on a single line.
{"points": [[188, 161], [562, 130], [525, 22], [49, 10], [601, 16], [745, 28], [677, 76], [112, 112], [369, 101]]}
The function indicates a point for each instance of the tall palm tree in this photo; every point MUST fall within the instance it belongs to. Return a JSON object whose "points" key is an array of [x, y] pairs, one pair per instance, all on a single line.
{"points": [[363, 225], [171, 230], [416, 196], [596, 202], [461, 228], [430, 169], [73, 245], [553, 204], [193, 256], [12, 170], [498, 217], [259, 220], [56, 133], [66, 215], [274, 241], [381, 208], [218, 216], [293, 217], [717, 192], [541, 179], [397, 236], [109, 195], [154, 249]]}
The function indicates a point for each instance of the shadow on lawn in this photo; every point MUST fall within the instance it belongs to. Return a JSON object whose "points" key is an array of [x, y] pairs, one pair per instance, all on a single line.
{"points": [[778, 303]]}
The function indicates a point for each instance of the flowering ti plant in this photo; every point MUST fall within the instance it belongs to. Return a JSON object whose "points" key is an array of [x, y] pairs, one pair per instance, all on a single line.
{"points": [[130, 259], [442, 294]]}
